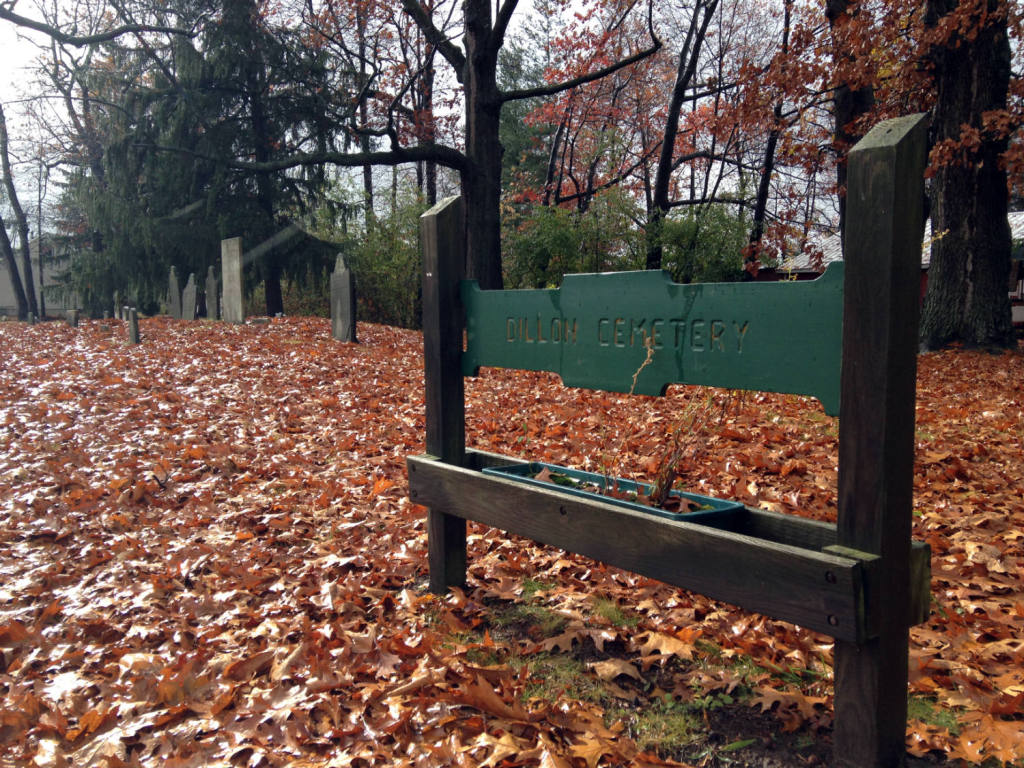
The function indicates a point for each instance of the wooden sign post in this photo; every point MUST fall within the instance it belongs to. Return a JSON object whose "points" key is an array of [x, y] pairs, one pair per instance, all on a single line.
{"points": [[885, 224], [862, 581], [442, 241]]}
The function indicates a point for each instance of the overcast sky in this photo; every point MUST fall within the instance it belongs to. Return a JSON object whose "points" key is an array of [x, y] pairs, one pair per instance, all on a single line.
{"points": [[15, 56]]}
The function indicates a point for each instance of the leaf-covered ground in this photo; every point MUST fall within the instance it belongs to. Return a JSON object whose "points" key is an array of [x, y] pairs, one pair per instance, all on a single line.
{"points": [[207, 558]]}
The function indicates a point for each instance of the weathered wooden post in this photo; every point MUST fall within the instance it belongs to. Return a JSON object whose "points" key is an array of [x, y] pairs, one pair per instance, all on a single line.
{"points": [[173, 295], [233, 310], [876, 440], [343, 302], [442, 241], [133, 325]]}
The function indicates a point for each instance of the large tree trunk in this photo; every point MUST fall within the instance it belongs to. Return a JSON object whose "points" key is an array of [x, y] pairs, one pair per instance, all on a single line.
{"points": [[481, 182], [967, 298]]}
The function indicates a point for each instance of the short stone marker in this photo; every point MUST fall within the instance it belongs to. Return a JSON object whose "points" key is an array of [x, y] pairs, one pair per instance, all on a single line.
{"points": [[212, 294], [133, 325], [72, 318], [173, 295], [188, 299], [343, 302], [232, 309]]}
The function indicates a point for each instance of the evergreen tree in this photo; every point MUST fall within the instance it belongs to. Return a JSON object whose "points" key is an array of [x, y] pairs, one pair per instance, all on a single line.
{"points": [[246, 87]]}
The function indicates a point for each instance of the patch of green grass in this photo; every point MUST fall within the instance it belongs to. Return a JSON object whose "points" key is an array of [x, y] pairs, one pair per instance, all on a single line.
{"points": [[709, 649], [718, 699], [531, 587], [484, 657], [924, 435], [928, 711], [547, 622], [736, 746], [610, 611], [555, 674], [666, 725], [746, 667]]}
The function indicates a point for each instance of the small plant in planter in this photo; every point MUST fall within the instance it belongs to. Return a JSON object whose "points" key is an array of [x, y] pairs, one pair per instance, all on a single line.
{"points": [[687, 440]]}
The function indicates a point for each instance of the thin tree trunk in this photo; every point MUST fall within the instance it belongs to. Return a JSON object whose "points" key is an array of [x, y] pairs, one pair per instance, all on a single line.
{"points": [[21, 221], [364, 118], [12, 271], [765, 184], [848, 104], [689, 56]]}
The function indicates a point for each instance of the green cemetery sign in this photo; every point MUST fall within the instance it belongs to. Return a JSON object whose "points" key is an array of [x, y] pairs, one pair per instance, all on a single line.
{"points": [[595, 331]]}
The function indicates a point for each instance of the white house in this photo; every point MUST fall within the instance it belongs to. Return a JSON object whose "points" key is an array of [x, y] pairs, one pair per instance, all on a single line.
{"points": [[47, 276]]}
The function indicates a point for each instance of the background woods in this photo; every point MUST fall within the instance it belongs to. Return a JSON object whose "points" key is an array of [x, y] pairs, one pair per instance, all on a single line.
{"points": [[707, 138]]}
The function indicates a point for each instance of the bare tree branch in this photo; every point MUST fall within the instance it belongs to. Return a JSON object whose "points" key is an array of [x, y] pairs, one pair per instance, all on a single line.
{"points": [[451, 52], [82, 40], [439, 153], [550, 90], [505, 12]]}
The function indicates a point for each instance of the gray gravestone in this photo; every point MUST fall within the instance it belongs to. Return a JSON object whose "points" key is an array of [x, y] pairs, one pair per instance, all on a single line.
{"points": [[117, 305], [72, 317], [232, 309], [343, 302], [211, 294], [173, 295], [133, 325], [188, 299]]}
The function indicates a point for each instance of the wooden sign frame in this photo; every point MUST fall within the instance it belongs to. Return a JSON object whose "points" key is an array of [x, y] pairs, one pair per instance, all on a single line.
{"points": [[862, 581]]}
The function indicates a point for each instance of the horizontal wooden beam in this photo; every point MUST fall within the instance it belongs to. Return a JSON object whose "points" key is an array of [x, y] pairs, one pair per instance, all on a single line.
{"points": [[814, 589]]}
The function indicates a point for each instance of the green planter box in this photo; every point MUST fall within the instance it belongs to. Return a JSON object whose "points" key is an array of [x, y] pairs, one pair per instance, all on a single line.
{"points": [[720, 510]]}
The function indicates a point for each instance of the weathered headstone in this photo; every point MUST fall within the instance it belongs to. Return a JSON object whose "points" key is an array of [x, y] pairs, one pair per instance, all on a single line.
{"points": [[188, 299], [232, 310], [212, 295], [117, 305], [173, 295], [72, 318], [133, 325], [343, 302], [31, 319]]}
